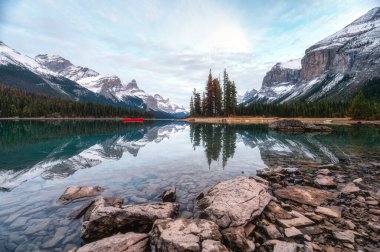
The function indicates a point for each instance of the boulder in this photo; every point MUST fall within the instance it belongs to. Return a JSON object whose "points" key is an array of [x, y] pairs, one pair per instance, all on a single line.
{"points": [[324, 180], [292, 232], [236, 239], [296, 126], [105, 221], [185, 235], [271, 230], [350, 188], [333, 211], [79, 192], [129, 242], [169, 195], [234, 202], [304, 195], [345, 236], [104, 202]]}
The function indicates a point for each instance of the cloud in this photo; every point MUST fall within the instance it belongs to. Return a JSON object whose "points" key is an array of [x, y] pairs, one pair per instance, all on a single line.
{"points": [[169, 46]]}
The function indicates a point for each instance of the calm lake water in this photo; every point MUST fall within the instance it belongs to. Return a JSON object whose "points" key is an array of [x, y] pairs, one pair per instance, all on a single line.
{"points": [[38, 160]]}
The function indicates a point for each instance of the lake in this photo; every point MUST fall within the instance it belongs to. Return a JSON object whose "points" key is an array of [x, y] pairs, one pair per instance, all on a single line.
{"points": [[40, 159]]}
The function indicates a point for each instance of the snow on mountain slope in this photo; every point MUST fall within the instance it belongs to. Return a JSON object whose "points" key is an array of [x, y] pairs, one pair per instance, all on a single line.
{"points": [[11, 56], [336, 67], [249, 95], [109, 86]]}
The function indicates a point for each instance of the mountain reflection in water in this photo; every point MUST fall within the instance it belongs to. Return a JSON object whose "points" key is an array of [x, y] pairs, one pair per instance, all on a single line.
{"points": [[57, 149]]}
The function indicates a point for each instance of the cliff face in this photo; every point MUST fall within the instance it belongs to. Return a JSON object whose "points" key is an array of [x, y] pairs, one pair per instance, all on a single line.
{"points": [[279, 74], [336, 67]]}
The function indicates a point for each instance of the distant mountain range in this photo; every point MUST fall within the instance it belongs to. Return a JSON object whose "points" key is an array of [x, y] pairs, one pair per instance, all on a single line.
{"points": [[335, 68], [56, 76]]}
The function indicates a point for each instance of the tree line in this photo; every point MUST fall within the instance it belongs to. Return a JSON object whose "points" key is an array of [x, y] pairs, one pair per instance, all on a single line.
{"points": [[215, 101], [17, 103]]}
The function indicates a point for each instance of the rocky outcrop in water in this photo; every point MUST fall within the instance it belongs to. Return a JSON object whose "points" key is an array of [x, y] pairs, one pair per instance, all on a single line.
{"points": [[79, 192], [234, 202], [129, 242], [186, 235], [297, 126], [105, 221]]}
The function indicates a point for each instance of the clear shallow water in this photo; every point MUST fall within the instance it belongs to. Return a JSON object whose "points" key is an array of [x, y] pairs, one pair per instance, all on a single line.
{"points": [[38, 160]]}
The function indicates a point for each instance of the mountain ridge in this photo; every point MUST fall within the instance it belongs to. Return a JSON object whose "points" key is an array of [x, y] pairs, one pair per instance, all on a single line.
{"points": [[56, 76], [334, 68]]}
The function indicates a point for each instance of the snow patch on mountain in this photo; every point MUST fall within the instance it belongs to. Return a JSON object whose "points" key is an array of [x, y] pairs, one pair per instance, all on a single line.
{"points": [[291, 64]]}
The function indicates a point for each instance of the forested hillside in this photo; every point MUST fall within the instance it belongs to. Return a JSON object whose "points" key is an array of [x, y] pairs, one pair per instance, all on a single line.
{"points": [[16, 103]]}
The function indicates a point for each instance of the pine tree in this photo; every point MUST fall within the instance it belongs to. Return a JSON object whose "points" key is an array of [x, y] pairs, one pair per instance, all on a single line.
{"points": [[226, 93], [360, 107], [209, 96], [197, 103], [218, 101], [233, 100], [191, 106]]}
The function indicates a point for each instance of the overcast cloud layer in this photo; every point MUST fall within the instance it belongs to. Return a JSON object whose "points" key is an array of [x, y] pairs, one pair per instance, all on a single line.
{"points": [[169, 46]]}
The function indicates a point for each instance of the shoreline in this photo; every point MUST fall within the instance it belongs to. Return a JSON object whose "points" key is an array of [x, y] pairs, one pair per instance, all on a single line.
{"points": [[246, 120]]}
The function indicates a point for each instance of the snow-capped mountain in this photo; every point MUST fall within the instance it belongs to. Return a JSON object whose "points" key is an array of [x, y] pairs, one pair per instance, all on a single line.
{"points": [[336, 67], [109, 86], [248, 96], [56, 76]]}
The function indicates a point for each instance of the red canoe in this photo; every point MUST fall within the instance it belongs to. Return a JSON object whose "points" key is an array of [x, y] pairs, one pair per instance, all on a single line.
{"points": [[139, 120]]}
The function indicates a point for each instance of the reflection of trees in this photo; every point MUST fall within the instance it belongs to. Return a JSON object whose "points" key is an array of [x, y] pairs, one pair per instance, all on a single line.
{"points": [[216, 139]]}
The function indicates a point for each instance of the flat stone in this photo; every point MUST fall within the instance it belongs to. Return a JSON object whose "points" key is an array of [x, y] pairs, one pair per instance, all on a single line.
{"points": [[345, 236], [281, 246], [185, 235], [277, 211], [374, 226], [372, 202], [324, 180], [358, 180], [311, 230], [334, 212], [105, 221], [304, 195], [234, 202], [374, 211], [138, 199], [324, 171], [271, 230], [299, 221], [350, 188], [213, 246], [292, 232], [79, 192], [169, 195], [129, 242], [237, 240]]}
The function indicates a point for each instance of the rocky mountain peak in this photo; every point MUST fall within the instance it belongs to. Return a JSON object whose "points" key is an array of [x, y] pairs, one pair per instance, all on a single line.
{"points": [[132, 85], [54, 63]]}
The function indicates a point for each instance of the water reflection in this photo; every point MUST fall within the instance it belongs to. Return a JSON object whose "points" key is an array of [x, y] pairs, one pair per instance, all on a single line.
{"points": [[58, 149]]}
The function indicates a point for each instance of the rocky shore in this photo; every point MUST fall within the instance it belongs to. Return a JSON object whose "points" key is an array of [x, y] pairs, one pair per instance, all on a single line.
{"points": [[313, 208]]}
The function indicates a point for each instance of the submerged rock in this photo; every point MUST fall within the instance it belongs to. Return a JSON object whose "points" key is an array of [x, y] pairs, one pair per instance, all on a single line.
{"points": [[304, 195], [79, 192], [186, 235], [169, 195], [129, 242], [237, 240], [105, 221], [297, 126], [234, 202], [77, 213]]}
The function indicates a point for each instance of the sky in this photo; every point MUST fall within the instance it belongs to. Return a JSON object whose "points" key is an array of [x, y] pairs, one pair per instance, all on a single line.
{"points": [[168, 47]]}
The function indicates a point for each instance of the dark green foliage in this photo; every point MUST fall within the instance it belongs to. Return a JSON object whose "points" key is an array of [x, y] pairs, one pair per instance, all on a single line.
{"points": [[363, 109], [299, 109], [197, 110], [16, 103], [372, 90]]}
